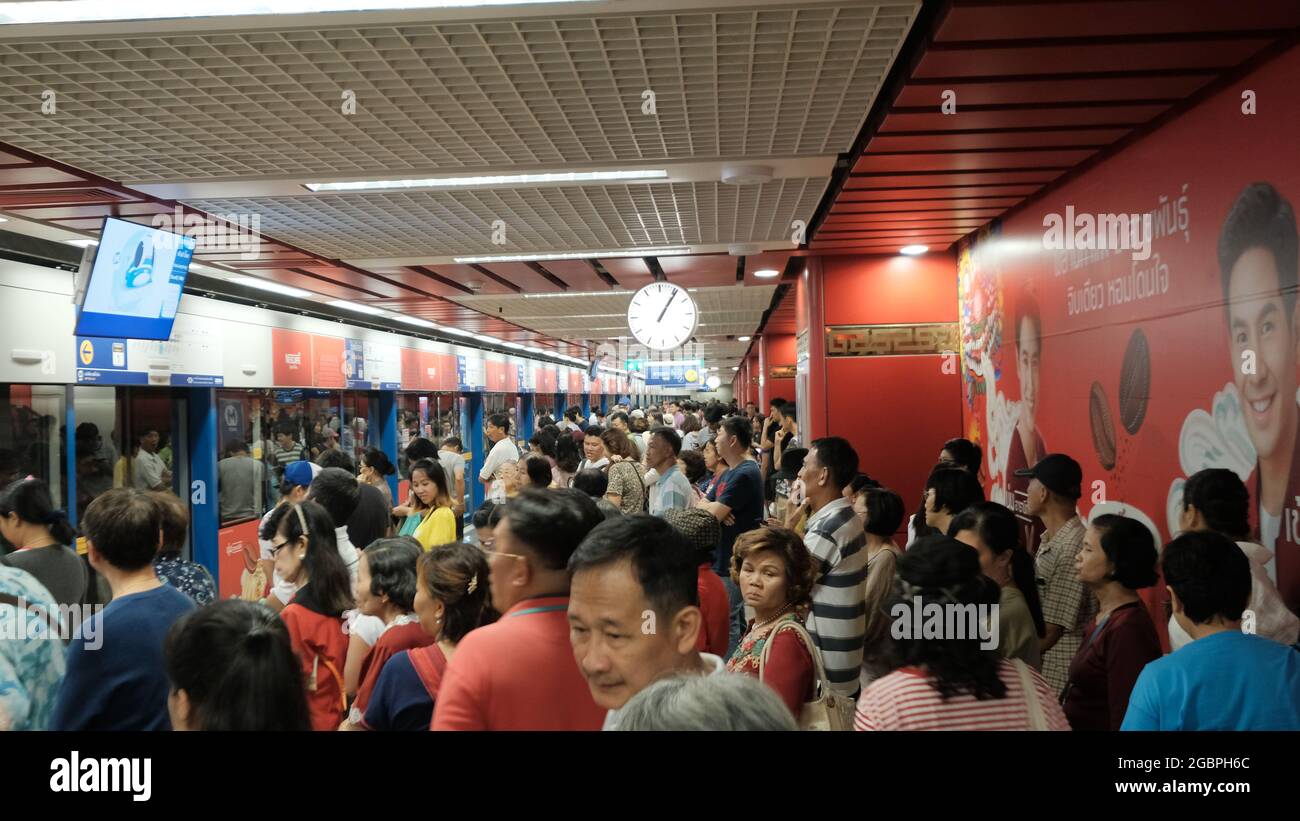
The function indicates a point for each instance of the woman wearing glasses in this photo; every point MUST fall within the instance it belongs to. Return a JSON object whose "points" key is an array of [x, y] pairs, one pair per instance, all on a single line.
{"points": [[305, 554], [451, 599], [432, 520]]}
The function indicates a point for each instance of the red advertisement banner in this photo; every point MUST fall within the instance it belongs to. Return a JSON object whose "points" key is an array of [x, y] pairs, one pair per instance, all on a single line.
{"points": [[291, 358], [1142, 319], [237, 555], [328, 356]]}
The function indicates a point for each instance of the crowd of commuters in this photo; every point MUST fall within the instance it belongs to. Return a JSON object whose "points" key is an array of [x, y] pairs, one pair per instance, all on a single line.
{"points": [[685, 566]]}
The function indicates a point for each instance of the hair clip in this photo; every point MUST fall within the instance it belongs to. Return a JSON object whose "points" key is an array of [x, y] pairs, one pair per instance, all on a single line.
{"points": [[473, 584], [302, 519]]}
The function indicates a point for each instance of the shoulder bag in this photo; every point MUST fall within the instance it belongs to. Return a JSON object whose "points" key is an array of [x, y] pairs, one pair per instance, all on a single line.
{"points": [[828, 710]]}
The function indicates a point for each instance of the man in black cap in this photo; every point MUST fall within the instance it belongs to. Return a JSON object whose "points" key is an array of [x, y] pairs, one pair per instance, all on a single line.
{"points": [[1056, 483]]}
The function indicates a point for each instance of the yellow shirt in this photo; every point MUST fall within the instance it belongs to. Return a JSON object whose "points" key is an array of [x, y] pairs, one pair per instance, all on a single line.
{"points": [[437, 528]]}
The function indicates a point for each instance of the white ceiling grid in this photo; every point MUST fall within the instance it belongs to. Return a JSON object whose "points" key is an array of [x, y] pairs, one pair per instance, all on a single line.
{"points": [[497, 93], [592, 217]]}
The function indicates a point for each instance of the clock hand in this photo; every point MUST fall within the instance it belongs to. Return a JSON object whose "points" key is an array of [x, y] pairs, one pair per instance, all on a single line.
{"points": [[665, 310]]}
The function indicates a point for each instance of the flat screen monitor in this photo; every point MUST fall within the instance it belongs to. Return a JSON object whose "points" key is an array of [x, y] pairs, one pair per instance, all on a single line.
{"points": [[135, 282]]}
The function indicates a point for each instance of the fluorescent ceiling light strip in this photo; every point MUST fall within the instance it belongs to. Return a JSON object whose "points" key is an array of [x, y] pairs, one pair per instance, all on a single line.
{"points": [[614, 291], [90, 11], [357, 307], [81, 243], [267, 285], [412, 320], [485, 181], [621, 252]]}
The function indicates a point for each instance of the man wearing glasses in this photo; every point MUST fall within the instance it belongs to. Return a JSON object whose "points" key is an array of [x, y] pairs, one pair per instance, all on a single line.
{"points": [[519, 673]]}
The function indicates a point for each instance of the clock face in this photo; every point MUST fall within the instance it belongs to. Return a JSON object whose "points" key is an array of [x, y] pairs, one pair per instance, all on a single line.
{"points": [[662, 316]]}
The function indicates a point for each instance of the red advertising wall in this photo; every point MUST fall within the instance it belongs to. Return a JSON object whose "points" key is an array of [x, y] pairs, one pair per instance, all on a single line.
{"points": [[1139, 373], [897, 411]]}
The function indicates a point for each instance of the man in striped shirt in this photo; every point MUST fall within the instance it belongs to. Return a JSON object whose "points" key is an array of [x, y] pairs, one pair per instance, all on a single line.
{"points": [[834, 537], [672, 490]]}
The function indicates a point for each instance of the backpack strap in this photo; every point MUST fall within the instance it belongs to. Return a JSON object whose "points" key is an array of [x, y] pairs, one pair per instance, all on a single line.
{"points": [[429, 667]]}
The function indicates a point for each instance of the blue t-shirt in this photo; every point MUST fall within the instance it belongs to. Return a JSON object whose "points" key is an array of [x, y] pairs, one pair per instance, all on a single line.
{"points": [[400, 701], [1224, 681], [740, 489], [115, 678]]}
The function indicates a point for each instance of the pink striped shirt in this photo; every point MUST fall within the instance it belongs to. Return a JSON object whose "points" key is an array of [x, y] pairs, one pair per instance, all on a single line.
{"points": [[905, 700]]}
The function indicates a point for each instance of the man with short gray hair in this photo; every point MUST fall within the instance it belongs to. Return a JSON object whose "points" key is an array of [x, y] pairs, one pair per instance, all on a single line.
{"points": [[724, 703]]}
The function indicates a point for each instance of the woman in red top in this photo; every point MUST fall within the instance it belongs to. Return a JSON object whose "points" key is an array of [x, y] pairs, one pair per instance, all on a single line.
{"points": [[305, 554], [702, 530], [1117, 559], [451, 599], [385, 589], [776, 574]]}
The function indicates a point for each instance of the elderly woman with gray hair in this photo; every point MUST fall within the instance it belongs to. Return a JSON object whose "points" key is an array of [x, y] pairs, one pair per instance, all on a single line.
{"points": [[706, 703]]}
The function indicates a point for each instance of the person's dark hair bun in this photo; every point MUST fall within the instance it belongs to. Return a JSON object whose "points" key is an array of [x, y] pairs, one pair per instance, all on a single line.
{"points": [[938, 561]]}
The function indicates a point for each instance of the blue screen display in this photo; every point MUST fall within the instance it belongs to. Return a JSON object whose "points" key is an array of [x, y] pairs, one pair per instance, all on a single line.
{"points": [[135, 282]]}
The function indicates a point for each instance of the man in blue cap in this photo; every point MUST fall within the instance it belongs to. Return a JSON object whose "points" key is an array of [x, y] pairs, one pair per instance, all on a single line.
{"points": [[1056, 483]]}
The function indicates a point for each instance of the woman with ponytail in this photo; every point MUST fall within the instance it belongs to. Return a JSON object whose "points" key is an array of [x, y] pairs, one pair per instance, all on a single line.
{"points": [[306, 556], [43, 535], [230, 666], [993, 531], [451, 599]]}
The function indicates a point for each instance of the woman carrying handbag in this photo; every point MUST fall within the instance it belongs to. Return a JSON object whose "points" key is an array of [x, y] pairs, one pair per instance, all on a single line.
{"points": [[776, 574]]}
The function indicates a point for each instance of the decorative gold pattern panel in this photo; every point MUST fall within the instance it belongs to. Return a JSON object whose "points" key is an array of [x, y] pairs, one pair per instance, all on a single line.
{"points": [[892, 340]]}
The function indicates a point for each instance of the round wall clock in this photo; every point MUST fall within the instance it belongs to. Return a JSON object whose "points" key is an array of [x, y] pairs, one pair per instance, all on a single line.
{"points": [[662, 316]]}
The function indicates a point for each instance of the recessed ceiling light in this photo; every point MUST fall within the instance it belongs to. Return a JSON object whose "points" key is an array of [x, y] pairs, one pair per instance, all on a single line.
{"points": [[767, 273], [357, 307], [494, 180], [742, 339], [267, 285], [621, 252], [735, 368], [913, 250], [89, 11], [81, 243]]}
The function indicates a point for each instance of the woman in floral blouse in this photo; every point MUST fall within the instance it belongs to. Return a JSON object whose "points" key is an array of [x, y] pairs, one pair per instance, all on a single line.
{"points": [[191, 578], [626, 475], [776, 574]]}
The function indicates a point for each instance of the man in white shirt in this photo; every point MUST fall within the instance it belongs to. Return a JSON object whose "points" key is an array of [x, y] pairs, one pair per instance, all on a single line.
{"points": [[671, 490], [148, 471], [627, 635], [497, 431]]}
